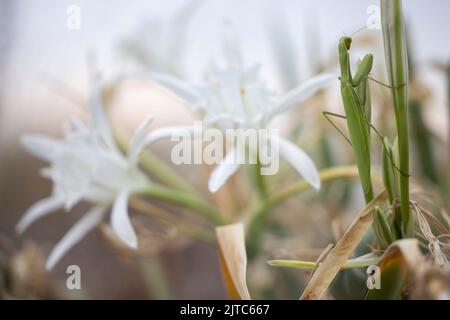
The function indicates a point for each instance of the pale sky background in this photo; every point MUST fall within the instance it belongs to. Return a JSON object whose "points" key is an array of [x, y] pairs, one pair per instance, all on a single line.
{"points": [[41, 40], [38, 42]]}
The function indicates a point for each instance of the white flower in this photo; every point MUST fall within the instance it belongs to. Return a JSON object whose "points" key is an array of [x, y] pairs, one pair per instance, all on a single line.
{"points": [[235, 97], [88, 166]]}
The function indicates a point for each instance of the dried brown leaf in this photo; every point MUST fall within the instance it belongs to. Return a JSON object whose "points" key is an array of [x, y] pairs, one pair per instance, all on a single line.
{"points": [[343, 250], [233, 259]]}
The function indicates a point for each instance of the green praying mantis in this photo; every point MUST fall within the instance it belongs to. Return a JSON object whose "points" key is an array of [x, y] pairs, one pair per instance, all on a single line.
{"points": [[355, 93], [357, 105]]}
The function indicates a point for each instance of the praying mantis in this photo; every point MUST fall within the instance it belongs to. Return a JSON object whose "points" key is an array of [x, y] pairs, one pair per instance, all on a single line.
{"points": [[355, 93], [357, 105]]}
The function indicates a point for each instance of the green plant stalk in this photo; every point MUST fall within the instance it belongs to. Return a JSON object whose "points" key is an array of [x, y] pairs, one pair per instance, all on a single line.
{"points": [[259, 224], [390, 175], [325, 175], [157, 168], [394, 37], [259, 181], [182, 195], [156, 277], [186, 200], [259, 214], [381, 228], [163, 172], [360, 262]]}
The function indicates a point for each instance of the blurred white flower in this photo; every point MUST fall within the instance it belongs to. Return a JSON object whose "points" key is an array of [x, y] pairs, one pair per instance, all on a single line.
{"points": [[235, 97], [88, 166]]}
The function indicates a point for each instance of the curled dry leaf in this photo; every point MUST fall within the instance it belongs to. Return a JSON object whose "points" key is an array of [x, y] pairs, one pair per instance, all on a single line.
{"points": [[401, 262], [233, 259]]}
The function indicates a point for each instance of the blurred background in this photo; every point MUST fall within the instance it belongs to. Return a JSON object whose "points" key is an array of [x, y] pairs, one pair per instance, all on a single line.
{"points": [[46, 64]]}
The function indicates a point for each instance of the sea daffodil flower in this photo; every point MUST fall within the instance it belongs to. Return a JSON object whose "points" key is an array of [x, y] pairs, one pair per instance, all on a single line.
{"points": [[235, 97], [87, 165]]}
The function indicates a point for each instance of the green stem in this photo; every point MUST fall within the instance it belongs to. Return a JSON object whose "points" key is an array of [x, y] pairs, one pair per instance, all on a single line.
{"points": [[325, 175], [157, 168], [259, 215], [186, 200], [397, 66], [360, 262], [155, 275], [259, 181], [260, 222], [403, 148], [163, 172]]}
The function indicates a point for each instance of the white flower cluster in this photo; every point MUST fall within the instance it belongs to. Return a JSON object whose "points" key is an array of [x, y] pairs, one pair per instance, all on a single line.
{"points": [[88, 165], [235, 97]]}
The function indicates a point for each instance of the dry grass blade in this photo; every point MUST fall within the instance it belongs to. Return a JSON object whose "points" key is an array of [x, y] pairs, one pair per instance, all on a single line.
{"points": [[344, 248], [233, 259], [434, 243]]}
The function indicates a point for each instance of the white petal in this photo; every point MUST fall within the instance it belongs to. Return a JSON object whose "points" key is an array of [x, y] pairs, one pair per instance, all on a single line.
{"points": [[225, 170], [99, 120], [303, 92], [300, 161], [169, 132], [41, 146], [120, 220], [91, 219], [181, 88], [38, 210], [138, 141]]}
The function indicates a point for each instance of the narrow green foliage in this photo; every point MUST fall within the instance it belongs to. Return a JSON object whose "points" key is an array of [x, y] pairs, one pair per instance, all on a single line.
{"points": [[381, 228], [390, 174], [394, 37], [356, 101], [186, 200], [359, 262]]}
